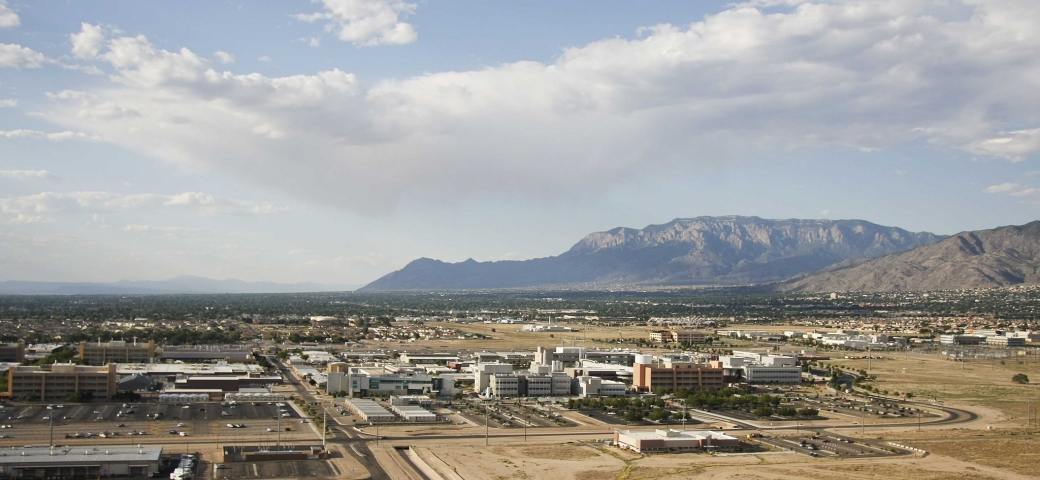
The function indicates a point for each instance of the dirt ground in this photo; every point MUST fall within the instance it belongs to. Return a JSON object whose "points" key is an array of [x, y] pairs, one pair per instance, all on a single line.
{"points": [[591, 461]]}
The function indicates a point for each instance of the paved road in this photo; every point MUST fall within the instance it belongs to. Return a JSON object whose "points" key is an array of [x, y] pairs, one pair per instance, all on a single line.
{"points": [[354, 446]]}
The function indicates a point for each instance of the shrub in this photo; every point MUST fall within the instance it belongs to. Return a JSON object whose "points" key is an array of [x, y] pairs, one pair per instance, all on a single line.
{"points": [[1020, 378]]}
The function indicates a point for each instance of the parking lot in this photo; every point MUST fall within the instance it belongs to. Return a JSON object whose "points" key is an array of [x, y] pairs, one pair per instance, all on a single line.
{"points": [[138, 412], [828, 445]]}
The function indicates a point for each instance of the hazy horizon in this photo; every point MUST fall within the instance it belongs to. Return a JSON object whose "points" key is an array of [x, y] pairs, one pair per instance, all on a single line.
{"points": [[334, 141]]}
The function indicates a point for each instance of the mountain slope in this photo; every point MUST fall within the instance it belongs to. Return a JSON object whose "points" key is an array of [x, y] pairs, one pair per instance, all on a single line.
{"points": [[178, 285], [980, 259], [702, 250]]}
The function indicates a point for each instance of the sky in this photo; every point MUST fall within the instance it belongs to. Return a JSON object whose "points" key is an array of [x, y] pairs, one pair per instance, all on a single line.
{"points": [[334, 141]]}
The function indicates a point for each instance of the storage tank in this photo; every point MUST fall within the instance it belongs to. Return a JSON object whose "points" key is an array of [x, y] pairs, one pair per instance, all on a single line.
{"points": [[643, 359]]}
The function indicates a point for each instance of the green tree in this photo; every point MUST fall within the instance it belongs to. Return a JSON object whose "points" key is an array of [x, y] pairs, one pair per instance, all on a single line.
{"points": [[787, 411], [660, 414], [763, 412]]}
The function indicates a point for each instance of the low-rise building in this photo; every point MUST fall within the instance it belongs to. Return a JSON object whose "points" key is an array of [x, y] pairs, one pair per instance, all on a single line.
{"points": [[678, 336], [59, 380], [368, 410], [961, 339], [12, 352], [208, 353], [81, 462], [661, 440], [1003, 341], [97, 353], [505, 385], [672, 376], [598, 387]]}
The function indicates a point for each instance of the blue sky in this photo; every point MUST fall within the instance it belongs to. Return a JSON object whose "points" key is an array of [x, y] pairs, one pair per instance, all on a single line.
{"points": [[334, 141]]}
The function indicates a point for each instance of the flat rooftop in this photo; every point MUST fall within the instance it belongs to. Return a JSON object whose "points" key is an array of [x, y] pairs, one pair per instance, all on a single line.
{"points": [[78, 455]]}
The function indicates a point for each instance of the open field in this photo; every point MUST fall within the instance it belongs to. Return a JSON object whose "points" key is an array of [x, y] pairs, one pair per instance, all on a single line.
{"points": [[980, 383]]}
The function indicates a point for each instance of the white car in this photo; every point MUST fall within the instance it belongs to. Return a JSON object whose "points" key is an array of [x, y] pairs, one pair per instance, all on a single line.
{"points": [[180, 424], [184, 434]]}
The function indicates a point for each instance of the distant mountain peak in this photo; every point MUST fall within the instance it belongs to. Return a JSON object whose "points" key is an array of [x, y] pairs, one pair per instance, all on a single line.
{"points": [[997, 257], [699, 250]]}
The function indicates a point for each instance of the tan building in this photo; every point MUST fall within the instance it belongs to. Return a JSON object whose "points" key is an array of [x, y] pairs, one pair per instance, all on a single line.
{"points": [[678, 336], [647, 375], [97, 353], [12, 352], [59, 380]]}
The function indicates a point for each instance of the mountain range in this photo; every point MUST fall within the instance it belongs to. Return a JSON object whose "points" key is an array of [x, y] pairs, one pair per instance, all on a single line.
{"points": [[177, 285], [981, 259], [689, 251]]}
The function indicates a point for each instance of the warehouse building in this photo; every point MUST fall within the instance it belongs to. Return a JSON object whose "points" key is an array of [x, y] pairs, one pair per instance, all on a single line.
{"points": [[80, 462], [368, 410], [59, 380], [209, 353], [674, 441]]}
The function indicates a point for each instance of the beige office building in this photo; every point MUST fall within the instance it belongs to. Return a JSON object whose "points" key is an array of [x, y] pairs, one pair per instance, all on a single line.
{"points": [[59, 380], [97, 353]]}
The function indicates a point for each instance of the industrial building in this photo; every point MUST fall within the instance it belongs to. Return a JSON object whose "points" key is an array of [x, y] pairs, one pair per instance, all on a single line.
{"points": [[1006, 341], [80, 462], [674, 441], [574, 356], [759, 368], [598, 387], [410, 408], [97, 353], [366, 381], [228, 377], [59, 380], [209, 353], [672, 376], [962, 339]]}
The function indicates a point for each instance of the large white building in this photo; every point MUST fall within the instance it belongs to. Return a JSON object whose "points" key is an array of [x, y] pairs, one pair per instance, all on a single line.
{"points": [[761, 368], [482, 374], [644, 441]]}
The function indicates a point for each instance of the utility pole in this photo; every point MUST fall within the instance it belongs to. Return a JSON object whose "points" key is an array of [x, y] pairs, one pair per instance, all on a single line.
{"points": [[278, 443], [487, 431], [863, 419], [324, 425], [52, 430]]}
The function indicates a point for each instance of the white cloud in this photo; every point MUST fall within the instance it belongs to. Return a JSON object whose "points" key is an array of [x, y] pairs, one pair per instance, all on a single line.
{"points": [[1014, 146], [93, 202], [1013, 189], [27, 174], [67, 95], [735, 85], [264, 58], [8, 18], [22, 218], [224, 57], [17, 56], [8, 102], [366, 23], [52, 136], [88, 42]]}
